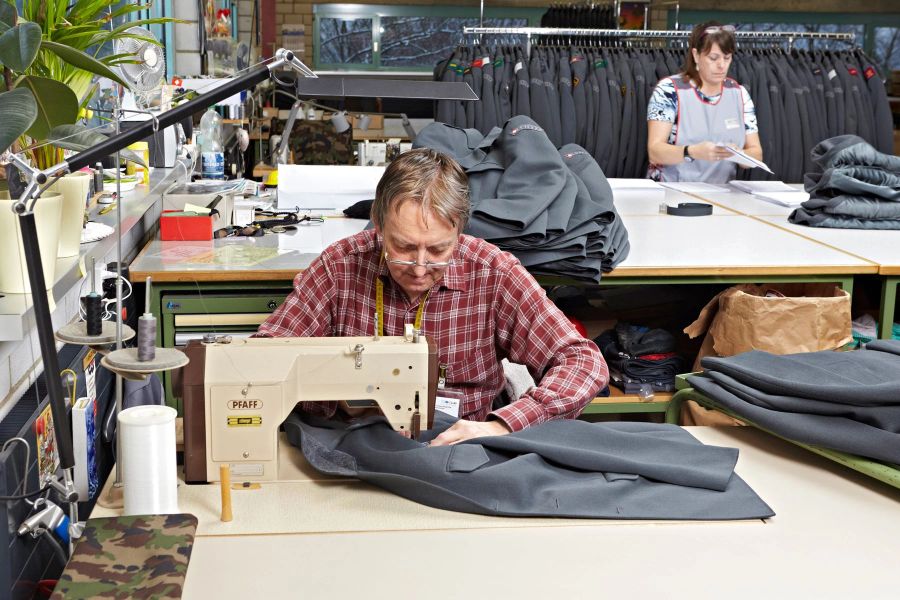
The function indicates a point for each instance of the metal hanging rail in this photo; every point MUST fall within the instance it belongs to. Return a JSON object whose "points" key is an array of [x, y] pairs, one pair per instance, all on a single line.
{"points": [[654, 33]]}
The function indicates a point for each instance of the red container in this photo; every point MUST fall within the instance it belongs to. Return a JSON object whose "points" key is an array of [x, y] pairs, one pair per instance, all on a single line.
{"points": [[182, 228]]}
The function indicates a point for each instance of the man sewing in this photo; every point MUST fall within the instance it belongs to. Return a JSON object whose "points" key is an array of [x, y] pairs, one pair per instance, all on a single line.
{"points": [[477, 303]]}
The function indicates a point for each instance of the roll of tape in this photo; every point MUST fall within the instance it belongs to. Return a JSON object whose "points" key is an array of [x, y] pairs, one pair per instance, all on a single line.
{"points": [[689, 209]]}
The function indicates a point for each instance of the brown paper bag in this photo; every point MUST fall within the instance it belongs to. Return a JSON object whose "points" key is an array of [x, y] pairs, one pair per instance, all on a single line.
{"points": [[782, 319]]}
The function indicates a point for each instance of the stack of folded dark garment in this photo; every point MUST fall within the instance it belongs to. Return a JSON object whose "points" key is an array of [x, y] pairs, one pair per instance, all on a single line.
{"points": [[847, 401], [853, 186], [638, 356], [553, 209]]}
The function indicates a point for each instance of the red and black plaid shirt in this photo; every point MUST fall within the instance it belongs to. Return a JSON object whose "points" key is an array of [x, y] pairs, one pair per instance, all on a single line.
{"points": [[485, 307]]}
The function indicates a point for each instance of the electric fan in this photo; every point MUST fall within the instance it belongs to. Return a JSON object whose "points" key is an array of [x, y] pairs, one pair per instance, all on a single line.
{"points": [[147, 67]]}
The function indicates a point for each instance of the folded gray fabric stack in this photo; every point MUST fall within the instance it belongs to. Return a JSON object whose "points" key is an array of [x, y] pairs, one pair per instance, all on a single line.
{"points": [[853, 186], [847, 401], [557, 469], [553, 209]]}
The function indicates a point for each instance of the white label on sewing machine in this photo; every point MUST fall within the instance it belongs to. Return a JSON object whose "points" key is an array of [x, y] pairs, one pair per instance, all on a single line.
{"points": [[247, 469], [447, 405], [245, 404]]}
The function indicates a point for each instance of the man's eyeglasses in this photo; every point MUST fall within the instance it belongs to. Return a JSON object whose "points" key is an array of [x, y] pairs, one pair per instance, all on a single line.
{"points": [[413, 263], [719, 29]]}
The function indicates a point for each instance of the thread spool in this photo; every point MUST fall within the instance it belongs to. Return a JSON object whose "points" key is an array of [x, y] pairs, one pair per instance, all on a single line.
{"points": [[148, 460], [93, 313], [146, 338], [92, 306]]}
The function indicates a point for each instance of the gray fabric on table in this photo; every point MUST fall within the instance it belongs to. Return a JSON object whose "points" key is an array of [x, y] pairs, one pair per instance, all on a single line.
{"points": [[551, 208], [556, 469], [847, 401]]}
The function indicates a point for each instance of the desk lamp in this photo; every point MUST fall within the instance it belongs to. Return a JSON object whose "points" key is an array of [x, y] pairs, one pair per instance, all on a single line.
{"points": [[37, 181]]}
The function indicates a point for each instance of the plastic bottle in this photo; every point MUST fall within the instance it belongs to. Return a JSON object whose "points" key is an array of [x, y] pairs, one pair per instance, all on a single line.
{"points": [[212, 160]]}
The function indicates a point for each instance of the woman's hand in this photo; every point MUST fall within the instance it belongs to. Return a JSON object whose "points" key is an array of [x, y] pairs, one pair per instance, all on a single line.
{"points": [[708, 151], [466, 430]]}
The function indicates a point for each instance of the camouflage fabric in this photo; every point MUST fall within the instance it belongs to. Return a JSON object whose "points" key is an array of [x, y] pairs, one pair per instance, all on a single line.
{"points": [[317, 143], [130, 557]]}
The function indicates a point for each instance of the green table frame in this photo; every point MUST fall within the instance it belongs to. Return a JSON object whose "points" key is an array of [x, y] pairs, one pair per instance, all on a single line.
{"points": [[884, 472], [256, 296], [888, 306]]}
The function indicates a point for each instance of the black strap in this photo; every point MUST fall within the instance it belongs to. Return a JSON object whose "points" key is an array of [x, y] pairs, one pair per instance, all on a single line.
{"points": [[689, 209]]}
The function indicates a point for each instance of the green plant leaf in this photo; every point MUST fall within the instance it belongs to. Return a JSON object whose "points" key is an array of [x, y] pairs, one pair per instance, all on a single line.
{"points": [[18, 110], [8, 16], [81, 60], [77, 137], [19, 46], [56, 104]]}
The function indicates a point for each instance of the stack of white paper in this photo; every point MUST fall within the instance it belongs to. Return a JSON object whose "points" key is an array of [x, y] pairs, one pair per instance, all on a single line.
{"points": [[755, 187], [791, 199], [696, 187]]}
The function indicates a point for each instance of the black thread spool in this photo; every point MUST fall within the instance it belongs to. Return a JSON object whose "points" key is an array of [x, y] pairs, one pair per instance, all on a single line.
{"points": [[146, 339], [92, 306]]}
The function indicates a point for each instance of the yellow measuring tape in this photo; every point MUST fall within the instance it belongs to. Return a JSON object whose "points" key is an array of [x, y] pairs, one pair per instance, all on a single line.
{"points": [[379, 306]]}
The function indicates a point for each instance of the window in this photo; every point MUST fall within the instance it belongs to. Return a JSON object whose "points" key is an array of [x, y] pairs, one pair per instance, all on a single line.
{"points": [[410, 38], [878, 34]]}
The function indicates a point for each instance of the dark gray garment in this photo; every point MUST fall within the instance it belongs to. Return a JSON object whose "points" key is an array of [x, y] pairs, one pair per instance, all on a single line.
{"points": [[853, 206], [477, 83], [580, 85], [628, 134], [522, 104], [566, 106], [882, 118], [851, 150], [871, 431], [488, 97], [540, 103], [470, 107], [794, 155], [862, 180], [869, 377], [801, 216], [558, 469], [764, 117], [604, 121], [613, 166]]}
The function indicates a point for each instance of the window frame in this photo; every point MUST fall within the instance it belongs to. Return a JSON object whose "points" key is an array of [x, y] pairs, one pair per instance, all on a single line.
{"points": [[376, 12], [869, 21]]}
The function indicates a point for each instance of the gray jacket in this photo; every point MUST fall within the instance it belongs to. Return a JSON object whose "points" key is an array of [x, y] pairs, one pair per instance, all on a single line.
{"points": [[556, 469]]}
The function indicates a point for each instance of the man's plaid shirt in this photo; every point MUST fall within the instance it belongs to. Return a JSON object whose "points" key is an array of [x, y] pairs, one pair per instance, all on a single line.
{"points": [[485, 307]]}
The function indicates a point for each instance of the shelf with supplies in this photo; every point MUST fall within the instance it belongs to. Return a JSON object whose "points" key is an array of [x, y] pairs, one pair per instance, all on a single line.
{"points": [[618, 402]]}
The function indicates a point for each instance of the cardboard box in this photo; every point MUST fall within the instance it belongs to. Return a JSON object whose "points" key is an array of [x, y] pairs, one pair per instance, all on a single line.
{"points": [[178, 226], [175, 198]]}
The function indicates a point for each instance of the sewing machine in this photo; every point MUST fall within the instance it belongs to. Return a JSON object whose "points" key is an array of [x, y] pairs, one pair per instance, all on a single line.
{"points": [[237, 392]]}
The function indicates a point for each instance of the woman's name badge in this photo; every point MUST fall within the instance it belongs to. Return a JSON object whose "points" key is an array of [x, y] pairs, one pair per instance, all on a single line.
{"points": [[732, 124]]}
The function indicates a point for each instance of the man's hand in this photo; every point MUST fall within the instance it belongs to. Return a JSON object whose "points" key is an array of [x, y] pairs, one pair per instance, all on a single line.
{"points": [[466, 430]]}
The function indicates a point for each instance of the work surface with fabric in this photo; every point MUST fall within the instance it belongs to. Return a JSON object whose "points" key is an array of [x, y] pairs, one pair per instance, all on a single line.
{"points": [[559, 469], [847, 401], [130, 557]]}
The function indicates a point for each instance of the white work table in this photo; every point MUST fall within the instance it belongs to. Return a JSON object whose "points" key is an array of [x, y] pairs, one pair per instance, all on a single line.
{"points": [[666, 245], [836, 534], [748, 204]]}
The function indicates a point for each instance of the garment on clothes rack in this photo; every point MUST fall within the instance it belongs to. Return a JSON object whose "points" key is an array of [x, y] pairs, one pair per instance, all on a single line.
{"points": [[852, 186], [597, 97], [553, 209], [556, 469], [847, 401]]}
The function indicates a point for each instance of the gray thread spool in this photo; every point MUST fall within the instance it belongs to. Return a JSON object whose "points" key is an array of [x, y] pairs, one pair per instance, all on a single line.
{"points": [[146, 342], [93, 317]]}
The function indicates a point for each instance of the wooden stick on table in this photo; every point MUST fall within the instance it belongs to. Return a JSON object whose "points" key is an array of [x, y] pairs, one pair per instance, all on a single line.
{"points": [[225, 483]]}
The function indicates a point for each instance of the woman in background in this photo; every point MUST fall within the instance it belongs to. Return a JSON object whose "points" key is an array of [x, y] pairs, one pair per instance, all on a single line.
{"points": [[693, 115]]}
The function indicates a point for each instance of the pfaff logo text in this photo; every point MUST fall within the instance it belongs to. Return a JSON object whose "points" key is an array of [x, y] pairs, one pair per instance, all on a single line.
{"points": [[244, 404]]}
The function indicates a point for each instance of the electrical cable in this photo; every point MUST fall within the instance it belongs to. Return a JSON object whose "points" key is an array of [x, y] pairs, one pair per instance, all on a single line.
{"points": [[24, 496], [57, 547]]}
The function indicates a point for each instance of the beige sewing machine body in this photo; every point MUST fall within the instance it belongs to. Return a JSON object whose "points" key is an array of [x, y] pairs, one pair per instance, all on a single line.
{"points": [[238, 392]]}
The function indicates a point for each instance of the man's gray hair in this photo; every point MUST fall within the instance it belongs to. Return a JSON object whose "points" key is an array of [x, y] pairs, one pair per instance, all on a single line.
{"points": [[426, 176]]}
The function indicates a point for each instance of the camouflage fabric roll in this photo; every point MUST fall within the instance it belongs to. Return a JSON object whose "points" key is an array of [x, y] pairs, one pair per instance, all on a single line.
{"points": [[317, 143], [130, 557]]}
